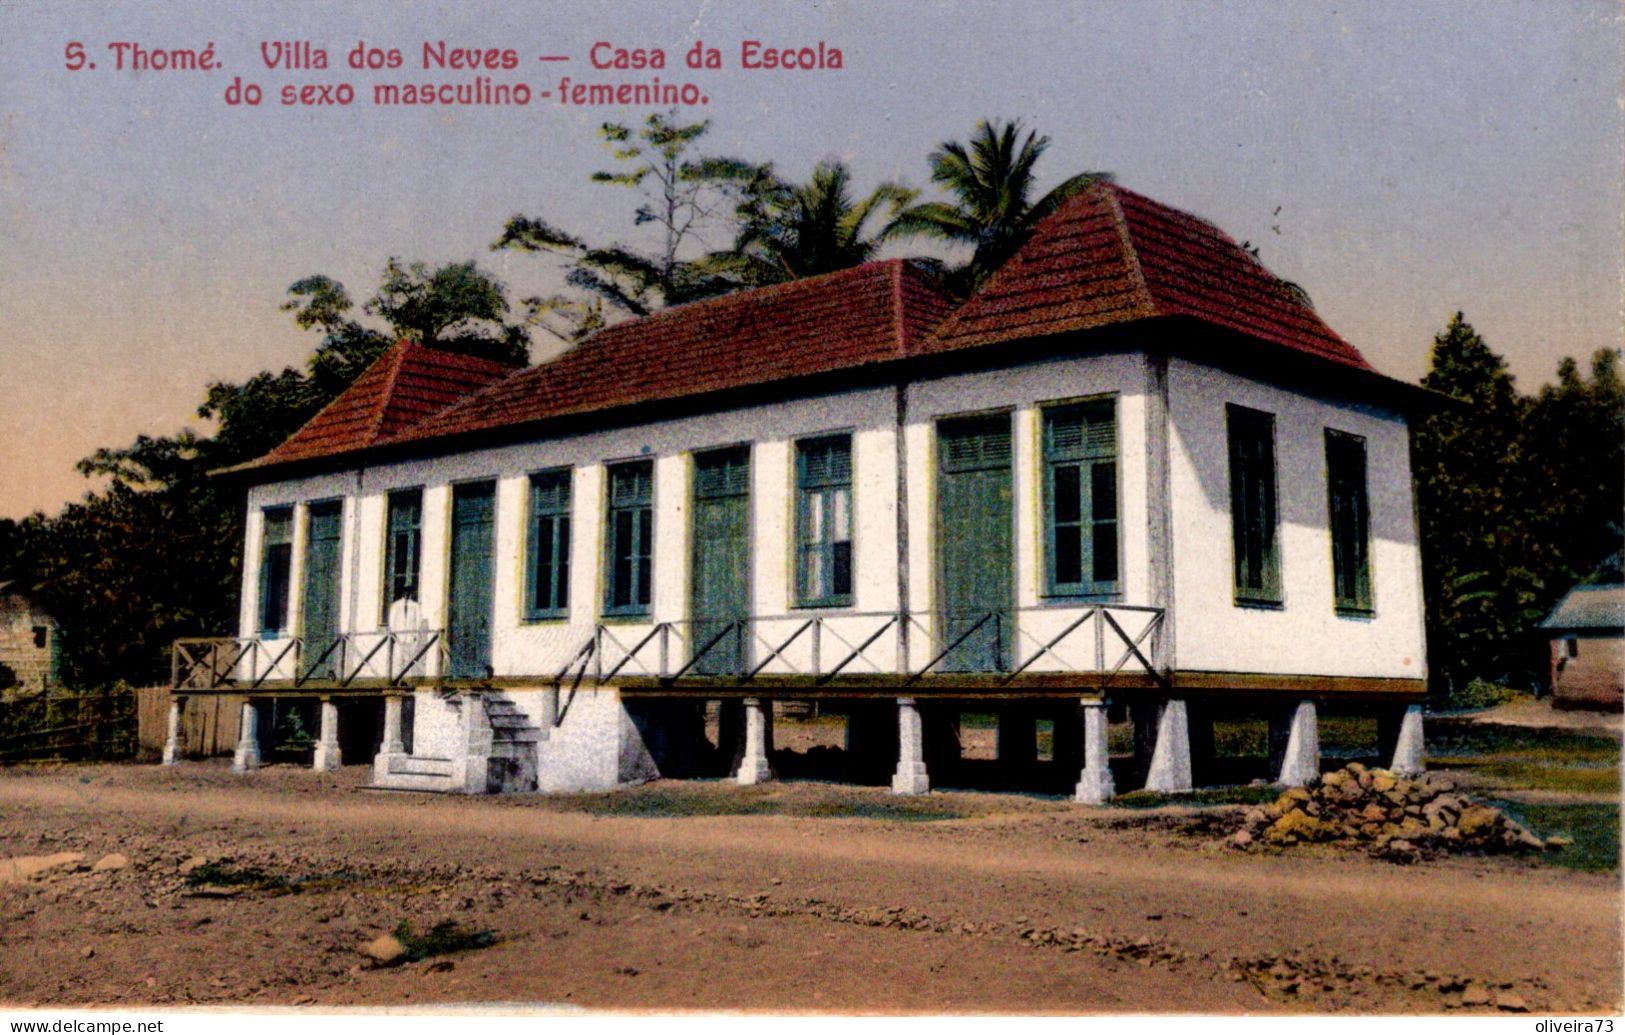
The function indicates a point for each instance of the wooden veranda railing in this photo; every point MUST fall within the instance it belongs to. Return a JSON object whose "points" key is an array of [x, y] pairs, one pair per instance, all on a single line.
{"points": [[1003, 645], [377, 658]]}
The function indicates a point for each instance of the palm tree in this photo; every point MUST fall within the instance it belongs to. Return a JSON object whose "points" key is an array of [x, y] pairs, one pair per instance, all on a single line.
{"points": [[788, 231], [991, 180]]}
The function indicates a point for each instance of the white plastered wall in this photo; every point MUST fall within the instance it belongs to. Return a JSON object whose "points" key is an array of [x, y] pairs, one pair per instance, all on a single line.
{"points": [[1305, 634], [1025, 392], [522, 647]]}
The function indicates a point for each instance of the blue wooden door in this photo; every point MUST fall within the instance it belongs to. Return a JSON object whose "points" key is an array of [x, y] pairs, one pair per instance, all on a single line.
{"points": [[320, 610], [469, 600], [720, 594], [974, 518]]}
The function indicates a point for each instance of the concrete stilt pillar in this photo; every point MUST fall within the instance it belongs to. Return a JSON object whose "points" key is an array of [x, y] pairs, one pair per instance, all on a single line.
{"points": [[753, 768], [1408, 747], [1300, 762], [1171, 757], [911, 777], [328, 757], [247, 755], [1095, 786], [172, 736], [394, 743]]}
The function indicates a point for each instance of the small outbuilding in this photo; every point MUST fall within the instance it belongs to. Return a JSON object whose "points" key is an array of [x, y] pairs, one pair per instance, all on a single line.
{"points": [[29, 653], [1587, 634]]}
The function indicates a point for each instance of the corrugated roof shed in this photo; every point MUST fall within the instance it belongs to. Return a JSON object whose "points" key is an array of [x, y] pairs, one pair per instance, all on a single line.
{"points": [[1594, 608], [1109, 255], [406, 384]]}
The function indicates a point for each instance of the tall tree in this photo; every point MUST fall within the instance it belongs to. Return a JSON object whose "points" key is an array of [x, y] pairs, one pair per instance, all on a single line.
{"points": [[154, 554], [1465, 462], [789, 230], [992, 183], [1575, 446], [1518, 497], [682, 193]]}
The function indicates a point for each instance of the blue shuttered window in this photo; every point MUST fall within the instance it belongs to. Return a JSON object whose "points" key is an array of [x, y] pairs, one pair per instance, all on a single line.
{"points": [[1080, 498], [824, 522], [276, 558], [1254, 520], [631, 538], [1350, 517], [402, 547], [547, 576]]}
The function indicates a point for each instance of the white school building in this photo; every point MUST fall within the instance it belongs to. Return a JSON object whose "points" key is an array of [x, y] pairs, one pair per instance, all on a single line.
{"points": [[1134, 471]]}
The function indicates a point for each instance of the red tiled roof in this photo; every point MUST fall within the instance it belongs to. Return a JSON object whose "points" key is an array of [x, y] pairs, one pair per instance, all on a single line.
{"points": [[406, 384], [1109, 256], [878, 311]]}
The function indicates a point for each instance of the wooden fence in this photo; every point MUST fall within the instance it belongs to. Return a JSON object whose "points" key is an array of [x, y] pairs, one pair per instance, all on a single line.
{"points": [[209, 722], [64, 725]]}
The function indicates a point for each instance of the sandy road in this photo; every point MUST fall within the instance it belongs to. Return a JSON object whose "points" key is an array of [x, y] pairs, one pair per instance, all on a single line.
{"points": [[1024, 906]]}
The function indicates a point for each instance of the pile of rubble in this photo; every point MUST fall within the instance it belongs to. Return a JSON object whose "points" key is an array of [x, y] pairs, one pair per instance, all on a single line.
{"points": [[1403, 820]]}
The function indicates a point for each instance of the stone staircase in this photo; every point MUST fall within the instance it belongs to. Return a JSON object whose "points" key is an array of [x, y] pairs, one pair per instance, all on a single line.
{"points": [[513, 758], [501, 754], [420, 773]]}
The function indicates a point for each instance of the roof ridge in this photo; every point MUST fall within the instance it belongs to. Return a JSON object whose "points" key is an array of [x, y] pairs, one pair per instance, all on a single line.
{"points": [[1131, 254], [757, 292], [899, 325], [399, 350]]}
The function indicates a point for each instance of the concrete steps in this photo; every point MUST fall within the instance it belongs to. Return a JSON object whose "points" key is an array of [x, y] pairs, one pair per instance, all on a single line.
{"points": [[509, 765], [419, 773]]}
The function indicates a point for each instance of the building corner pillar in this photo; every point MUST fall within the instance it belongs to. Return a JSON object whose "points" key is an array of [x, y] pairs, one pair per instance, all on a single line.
{"points": [[1409, 746], [1171, 756], [1300, 761]]}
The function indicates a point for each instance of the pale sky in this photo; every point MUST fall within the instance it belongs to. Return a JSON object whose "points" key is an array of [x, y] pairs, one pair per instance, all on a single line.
{"points": [[1400, 161]]}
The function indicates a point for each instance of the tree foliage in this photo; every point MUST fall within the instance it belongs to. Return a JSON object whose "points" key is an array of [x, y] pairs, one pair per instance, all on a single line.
{"points": [[682, 193], [788, 230], [1518, 497], [992, 181], [154, 555]]}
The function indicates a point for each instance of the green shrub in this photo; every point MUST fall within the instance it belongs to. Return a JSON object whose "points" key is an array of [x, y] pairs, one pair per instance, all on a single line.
{"points": [[1480, 693]]}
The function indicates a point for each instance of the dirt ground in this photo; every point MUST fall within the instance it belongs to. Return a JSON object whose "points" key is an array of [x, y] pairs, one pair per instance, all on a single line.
{"points": [[792, 896]]}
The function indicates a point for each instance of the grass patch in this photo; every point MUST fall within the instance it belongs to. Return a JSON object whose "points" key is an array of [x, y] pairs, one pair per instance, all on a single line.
{"points": [[1202, 796], [724, 799], [1448, 738], [919, 810], [251, 878], [1519, 775], [443, 939], [1594, 829], [220, 875], [668, 803]]}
